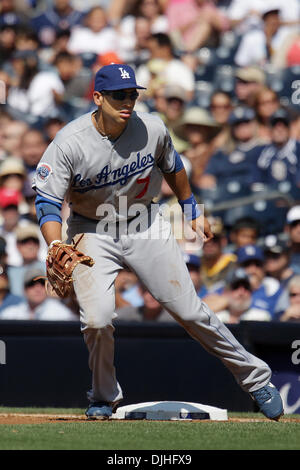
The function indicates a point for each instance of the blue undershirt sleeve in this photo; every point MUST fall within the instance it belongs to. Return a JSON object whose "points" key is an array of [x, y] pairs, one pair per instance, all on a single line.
{"points": [[178, 163], [47, 210]]}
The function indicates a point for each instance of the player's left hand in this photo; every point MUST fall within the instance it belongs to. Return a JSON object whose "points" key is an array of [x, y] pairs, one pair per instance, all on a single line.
{"points": [[201, 226]]}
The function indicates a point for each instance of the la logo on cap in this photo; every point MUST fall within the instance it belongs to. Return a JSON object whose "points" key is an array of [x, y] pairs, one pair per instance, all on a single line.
{"points": [[250, 250], [124, 73]]}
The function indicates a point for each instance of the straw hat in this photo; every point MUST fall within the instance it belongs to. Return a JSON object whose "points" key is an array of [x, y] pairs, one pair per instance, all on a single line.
{"points": [[12, 166], [198, 117]]}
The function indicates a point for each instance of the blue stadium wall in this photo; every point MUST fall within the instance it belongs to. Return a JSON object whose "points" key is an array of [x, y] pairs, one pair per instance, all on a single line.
{"points": [[46, 364]]}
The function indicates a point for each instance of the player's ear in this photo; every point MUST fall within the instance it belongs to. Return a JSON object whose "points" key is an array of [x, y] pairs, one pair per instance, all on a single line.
{"points": [[98, 98]]}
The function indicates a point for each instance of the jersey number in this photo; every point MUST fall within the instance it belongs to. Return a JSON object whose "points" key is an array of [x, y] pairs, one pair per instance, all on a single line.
{"points": [[144, 181]]}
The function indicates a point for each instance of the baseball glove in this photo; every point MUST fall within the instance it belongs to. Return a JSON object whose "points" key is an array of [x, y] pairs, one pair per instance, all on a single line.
{"points": [[61, 261]]}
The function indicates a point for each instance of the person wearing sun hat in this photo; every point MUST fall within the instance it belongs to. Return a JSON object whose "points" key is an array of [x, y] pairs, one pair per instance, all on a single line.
{"points": [[175, 99], [28, 245], [12, 173], [199, 129]]}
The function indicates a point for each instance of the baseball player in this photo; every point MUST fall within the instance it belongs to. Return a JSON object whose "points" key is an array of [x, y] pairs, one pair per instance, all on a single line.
{"points": [[96, 162]]}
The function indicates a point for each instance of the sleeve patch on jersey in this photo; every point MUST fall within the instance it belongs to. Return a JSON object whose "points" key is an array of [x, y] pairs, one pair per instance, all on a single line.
{"points": [[43, 172]]}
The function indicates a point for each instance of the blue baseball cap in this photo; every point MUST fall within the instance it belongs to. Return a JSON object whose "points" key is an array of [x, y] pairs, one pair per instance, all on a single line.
{"points": [[238, 277], [250, 252], [241, 114], [115, 77], [281, 115], [192, 259]]}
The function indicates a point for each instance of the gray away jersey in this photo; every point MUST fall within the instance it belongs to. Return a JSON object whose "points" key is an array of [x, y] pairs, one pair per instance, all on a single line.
{"points": [[87, 169]]}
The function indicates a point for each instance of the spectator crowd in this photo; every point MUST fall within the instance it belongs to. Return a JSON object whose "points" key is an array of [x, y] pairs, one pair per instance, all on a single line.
{"points": [[223, 75]]}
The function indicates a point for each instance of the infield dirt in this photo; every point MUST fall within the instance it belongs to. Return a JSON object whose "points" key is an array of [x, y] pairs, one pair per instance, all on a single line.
{"points": [[22, 418]]}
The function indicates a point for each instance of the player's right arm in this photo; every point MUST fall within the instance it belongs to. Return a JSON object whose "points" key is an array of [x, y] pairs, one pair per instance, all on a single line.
{"points": [[51, 182], [51, 231], [49, 217], [175, 175]]}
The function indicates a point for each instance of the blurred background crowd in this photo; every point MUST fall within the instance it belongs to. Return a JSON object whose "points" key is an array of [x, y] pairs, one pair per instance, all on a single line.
{"points": [[225, 78]]}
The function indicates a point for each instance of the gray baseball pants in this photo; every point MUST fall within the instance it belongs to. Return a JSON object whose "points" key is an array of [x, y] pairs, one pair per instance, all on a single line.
{"points": [[158, 262]]}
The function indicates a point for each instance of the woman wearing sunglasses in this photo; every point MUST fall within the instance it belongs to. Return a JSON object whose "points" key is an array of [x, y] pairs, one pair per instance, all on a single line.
{"points": [[109, 165]]}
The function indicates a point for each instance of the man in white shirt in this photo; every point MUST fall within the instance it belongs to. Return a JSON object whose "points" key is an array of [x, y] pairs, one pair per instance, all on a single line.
{"points": [[246, 14], [239, 296], [173, 72], [37, 305], [96, 36], [260, 45]]}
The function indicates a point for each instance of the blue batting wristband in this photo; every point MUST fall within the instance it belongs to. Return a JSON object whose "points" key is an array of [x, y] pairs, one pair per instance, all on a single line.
{"points": [[190, 208]]}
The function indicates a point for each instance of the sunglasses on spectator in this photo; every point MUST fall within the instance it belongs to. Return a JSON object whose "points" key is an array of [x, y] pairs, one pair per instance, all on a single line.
{"points": [[293, 294], [251, 262], [295, 223], [173, 99], [220, 106], [237, 285], [15, 175], [33, 282], [121, 95], [245, 82], [274, 256], [29, 239], [267, 101]]}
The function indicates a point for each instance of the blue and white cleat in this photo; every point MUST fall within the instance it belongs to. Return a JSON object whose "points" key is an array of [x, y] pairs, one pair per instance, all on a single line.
{"points": [[99, 410], [269, 401]]}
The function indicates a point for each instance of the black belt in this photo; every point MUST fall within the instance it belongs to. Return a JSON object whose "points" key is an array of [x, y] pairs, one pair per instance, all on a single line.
{"points": [[75, 214]]}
